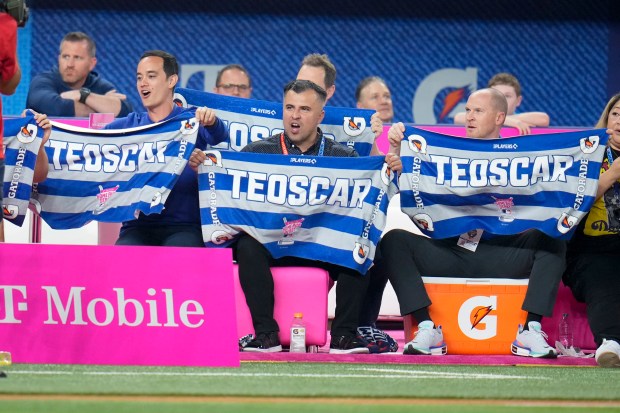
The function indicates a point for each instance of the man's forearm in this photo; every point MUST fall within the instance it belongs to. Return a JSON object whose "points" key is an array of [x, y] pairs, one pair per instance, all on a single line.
{"points": [[101, 104], [540, 119], [41, 166]]}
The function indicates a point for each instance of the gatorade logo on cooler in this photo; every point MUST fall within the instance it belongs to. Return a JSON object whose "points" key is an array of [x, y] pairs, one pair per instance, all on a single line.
{"points": [[475, 320]]}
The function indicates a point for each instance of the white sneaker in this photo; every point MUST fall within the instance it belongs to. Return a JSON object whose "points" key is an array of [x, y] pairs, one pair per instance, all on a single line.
{"points": [[427, 340], [532, 342], [608, 354]]}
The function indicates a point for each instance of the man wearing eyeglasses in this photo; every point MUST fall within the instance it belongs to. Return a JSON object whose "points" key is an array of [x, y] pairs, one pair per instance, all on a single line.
{"points": [[233, 80]]}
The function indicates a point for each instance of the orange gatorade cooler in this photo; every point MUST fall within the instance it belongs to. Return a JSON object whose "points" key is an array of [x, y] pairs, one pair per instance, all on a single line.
{"points": [[478, 315]]}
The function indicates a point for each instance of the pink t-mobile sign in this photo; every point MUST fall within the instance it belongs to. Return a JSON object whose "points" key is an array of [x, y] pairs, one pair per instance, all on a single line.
{"points": [[117, 305]]}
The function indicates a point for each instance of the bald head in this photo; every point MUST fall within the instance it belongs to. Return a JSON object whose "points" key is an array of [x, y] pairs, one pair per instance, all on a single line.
{"points": [[485, 113], [498, 100]]}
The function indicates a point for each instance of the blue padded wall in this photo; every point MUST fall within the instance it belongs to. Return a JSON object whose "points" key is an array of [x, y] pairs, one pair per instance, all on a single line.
{"points": [[559, 53]]}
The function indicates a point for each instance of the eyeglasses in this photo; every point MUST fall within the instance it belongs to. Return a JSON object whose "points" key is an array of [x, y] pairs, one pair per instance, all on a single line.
{"points": [[229, 86]]}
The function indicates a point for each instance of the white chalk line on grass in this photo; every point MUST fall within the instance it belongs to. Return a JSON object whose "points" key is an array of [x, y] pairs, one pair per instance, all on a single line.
{"points": [[395, 374], [440, 374]]}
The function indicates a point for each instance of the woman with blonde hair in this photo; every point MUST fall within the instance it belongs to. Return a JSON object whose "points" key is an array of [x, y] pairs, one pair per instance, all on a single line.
{"points": [[594, 251]]}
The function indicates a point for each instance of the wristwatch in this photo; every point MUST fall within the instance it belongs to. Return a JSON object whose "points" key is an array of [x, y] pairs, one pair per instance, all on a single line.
{"points": [[84, 92]]}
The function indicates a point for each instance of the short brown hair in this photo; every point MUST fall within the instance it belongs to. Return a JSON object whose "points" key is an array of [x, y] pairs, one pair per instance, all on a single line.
{"points": [[506, 79], [365, 82], [322, 60], [78, 37], [231, 67]]}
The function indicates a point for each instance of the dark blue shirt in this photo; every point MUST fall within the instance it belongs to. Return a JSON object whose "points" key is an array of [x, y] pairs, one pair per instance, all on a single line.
{"points": [[182, 206], [46, 87]]}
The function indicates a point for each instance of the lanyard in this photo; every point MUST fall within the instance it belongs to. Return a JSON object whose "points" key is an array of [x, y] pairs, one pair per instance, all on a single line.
{"points": [[610, 155], [610, 160], [285, 149]]}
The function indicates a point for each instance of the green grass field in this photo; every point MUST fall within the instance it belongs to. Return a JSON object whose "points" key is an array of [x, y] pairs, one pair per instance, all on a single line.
{"points": [[309, 387]]}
